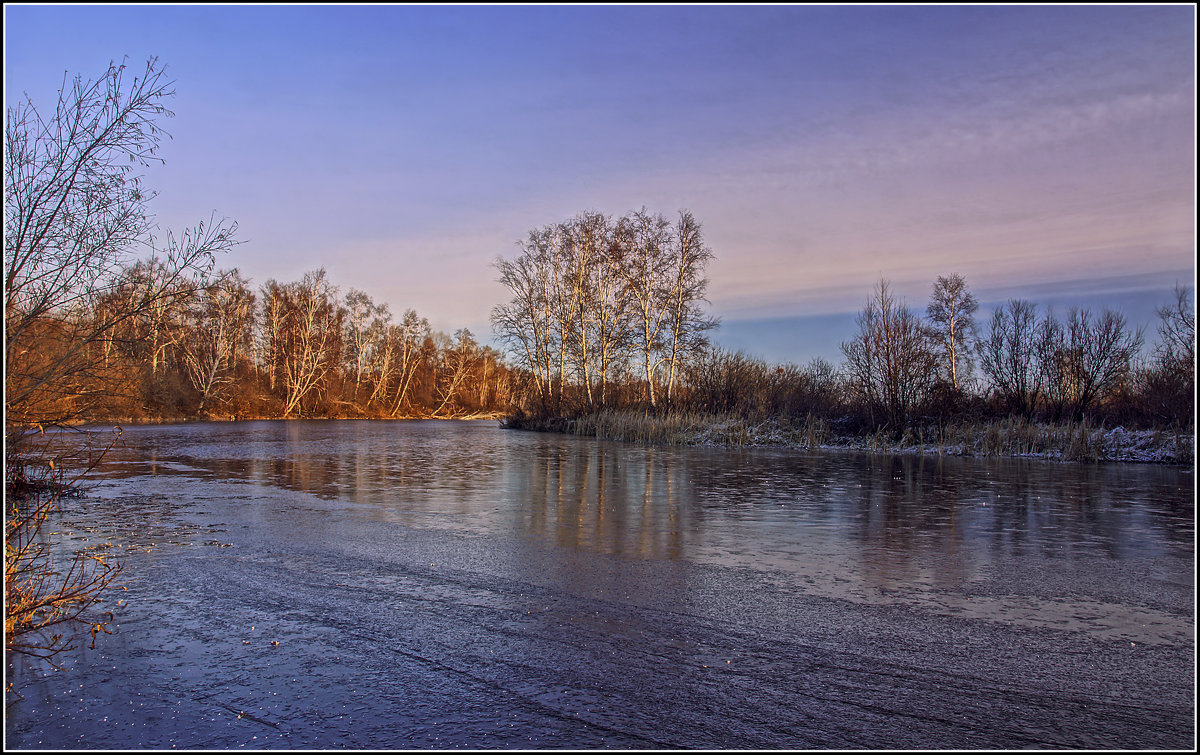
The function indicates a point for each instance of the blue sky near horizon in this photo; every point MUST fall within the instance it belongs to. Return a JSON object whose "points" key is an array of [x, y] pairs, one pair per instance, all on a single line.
{"points": [[1043, 152]]}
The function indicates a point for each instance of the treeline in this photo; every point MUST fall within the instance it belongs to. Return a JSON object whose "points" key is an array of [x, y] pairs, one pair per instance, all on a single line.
{"points": [[165, 346], [607, 314], [901, 368]]}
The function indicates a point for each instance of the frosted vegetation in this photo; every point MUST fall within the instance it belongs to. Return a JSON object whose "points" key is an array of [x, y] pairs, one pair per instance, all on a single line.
{"points": [[1016, 437]]}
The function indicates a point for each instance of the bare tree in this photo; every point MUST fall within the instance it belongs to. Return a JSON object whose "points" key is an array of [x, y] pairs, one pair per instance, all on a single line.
{"points": [[951, 311], [406, 342], [458, 358], [891, 360], [1176, 349], [586, 238], [562, 297], [610, 317], [360, 312], [1170, 389], [159, 326], [525, 322], [269, 341], [1057, 366], [1008, 356], [221, 320], [1091, 358], [75, 217], [311, 338], [76, 214]]}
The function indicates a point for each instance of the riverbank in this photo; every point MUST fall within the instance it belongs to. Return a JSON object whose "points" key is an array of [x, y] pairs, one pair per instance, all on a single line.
{"points": [[1075, 442], [184, 419]]}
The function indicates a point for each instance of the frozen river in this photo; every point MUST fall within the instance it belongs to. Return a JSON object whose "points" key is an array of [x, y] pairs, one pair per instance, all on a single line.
{"points": [[443, 585]]}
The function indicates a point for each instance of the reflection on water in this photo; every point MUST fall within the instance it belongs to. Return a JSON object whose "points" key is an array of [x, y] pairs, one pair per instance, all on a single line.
{"points": [[902, 519]]}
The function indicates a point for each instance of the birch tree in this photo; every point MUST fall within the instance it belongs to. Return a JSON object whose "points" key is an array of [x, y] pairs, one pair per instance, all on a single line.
{"points": [[610, 308], [951, 313], [586, 237], [458, 358], [220, 322], [647, 239], [273, 318], [311, 338], [361, 311], [525, 322], [405, 343], [686, 286]]}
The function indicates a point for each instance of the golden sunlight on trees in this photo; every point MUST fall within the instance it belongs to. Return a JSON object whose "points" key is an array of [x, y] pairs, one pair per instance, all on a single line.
{"points": [[308, 338], [76, 216], [685, 287], [218, 326], [597, 301], [606, 327]]}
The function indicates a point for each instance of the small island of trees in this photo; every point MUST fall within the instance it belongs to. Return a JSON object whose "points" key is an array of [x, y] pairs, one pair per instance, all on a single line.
{"points": [[609, 335]]}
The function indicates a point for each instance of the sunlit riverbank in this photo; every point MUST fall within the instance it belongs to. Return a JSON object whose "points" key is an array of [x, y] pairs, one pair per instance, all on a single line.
{"points": [[1077, 441]]}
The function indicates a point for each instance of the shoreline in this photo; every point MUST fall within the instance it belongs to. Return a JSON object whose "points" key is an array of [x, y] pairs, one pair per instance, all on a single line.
{"points": [[1019, 439], [1011, 438], [151, 421]]}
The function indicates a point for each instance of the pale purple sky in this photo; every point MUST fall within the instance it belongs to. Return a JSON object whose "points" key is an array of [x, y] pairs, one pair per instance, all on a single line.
{"points": [[1042, 152]]}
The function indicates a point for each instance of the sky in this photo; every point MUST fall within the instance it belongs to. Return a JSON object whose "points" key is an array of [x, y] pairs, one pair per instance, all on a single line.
{"points": [[1042, 152]]}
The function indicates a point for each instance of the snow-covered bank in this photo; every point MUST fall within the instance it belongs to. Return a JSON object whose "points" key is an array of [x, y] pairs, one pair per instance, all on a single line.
{"points": [[1077, 442]]}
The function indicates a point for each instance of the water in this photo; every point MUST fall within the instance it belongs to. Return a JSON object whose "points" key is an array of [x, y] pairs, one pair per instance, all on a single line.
{"points": [[451, 585]]}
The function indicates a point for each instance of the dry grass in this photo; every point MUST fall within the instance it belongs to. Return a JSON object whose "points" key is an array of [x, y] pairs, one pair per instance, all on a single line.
{"points": [[689, 428], [669, 430], [1072, 441]]}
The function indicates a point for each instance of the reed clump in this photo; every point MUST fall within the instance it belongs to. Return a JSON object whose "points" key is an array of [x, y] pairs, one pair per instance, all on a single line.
{"points": [[691, 428], [674, 429]]}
